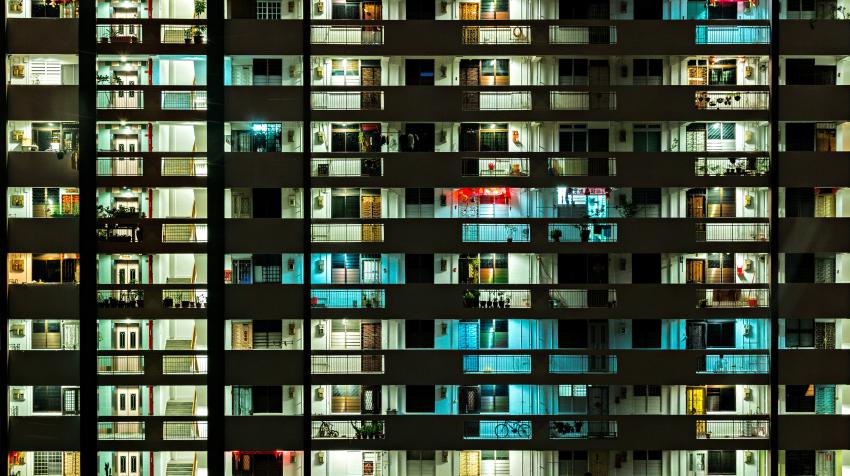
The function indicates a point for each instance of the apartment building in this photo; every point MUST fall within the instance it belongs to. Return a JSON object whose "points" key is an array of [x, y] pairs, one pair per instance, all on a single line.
{"points": [[426, 237]]}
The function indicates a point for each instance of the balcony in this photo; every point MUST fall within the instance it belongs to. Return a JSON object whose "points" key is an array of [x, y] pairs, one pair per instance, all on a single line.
{"points": [[123, 33], [582, 35], [495, 167], [347, 100], [582, 364], [120, 364], [495, 233], [582, 101], [732, 429], [194, 364], [141, 102], [732, 100], [497, 35], [348, 429], [733, 298], [582, 232], [732, 35], [346, 167], [346, 35], [582, 298], [497, 430], [732, 232], [162, 169], [347, 233], [582, 429], [184, 430], [496, 101], [496, 364], [724, 167], [347, 298], [120, 430], [347, 364], [734, 364]]}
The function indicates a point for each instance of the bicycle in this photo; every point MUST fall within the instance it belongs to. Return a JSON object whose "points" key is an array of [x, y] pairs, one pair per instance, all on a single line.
{"points": [[326, 430], [513, 429]]}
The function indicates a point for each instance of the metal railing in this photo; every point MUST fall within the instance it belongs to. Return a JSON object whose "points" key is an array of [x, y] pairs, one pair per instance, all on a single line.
{"points": [[493, 167], [184, 430], [496, 364], [582, 232], [732, 429], [582, 298], [582, 429], [582, 35], [496, 232], [119, 33], [121, 99], [120, 430], [348, 298], [732, 166], [120, 166], [183, 167], [732, 100], [731, 364], [732, 35], [345, 167], [582, 364], [186, 34], [119, 233], [497, 298], [496, 35], [347, 100], [184, 298], [184, 364], [496, 101], [732, 232], [733, 297], [184, 233], [497, 430], [347, 233], [582, 167], [184, 100], [583, 101], [121, 298], [347, 364], [346, 35], [120, 364], [348, 429]]}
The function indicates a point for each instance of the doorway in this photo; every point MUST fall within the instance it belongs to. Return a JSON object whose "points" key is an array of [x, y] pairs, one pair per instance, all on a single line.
{"points": [[127, 463], [370, 339], [694, 271], [126, 272], [469, 400]]}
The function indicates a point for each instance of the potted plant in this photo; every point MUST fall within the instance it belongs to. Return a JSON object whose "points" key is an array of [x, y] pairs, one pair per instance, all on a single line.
{"points": [[470, 298], [198, 34], [556, 234], [702, 302], [187, 36], [628, 209]]}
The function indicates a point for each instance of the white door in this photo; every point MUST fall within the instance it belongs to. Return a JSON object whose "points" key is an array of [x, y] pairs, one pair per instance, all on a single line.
{"points": [[127, 337], [127, 401], [127, 463], [126, 165]]}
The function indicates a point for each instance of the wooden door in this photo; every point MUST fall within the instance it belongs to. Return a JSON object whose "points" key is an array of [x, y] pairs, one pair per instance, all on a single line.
{"points": [[825, 140], [370, 339], [824, 335], [694, 271], [470, 463], [469, 11], [597, 463], [824, 204], [370, 232], [370, 206], [695, 206], [241, 335], [470, 73], [71, 463]]}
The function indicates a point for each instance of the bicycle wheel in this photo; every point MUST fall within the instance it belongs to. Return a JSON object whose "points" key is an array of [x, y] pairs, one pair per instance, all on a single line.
{"points": [[523, 430], [502, 431]]}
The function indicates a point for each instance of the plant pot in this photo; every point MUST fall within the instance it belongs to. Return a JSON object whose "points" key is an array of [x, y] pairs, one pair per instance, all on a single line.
{"points": [[198, 39], [584, 235], [104, 40]]}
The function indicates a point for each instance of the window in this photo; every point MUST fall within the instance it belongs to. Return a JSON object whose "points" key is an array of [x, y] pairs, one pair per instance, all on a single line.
{"points": [[572, 72], [345, 203], [494, 399], [47, 463], [262, 137], [799, 398], [486, 268], [804, 71], [646, 463], [267, 399], [345, 72], [646, 138], [241, 401], [419, 203], [720, 334], [800, 9], [572, 463], [267, 334], [421, 463], [720, 399], [648, 201], [418, 72], [572, 399], [418, 334], [723, 72], [647, 71], [345, 399], [572, 334], [800, 463], [70, 401], [721, 268], [721, 136], [267, 269], [268, 72], [647, 399], [646, 333], [345, 268], [799, 333], [419, 268], [495, 10], [484, 138], [722, 462], [46, 399], [46, 334], [420, 398], [493, 334], [572, 138], [268, 9]]}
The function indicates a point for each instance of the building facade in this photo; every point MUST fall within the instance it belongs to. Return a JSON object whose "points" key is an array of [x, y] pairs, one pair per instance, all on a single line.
{"points": [[426, 238]]}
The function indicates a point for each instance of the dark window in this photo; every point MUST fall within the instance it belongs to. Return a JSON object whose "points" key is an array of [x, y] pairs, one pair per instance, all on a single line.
{"points": [[647, 71], [799, 202], [418, 334], [646, 334], [268, 268], [572, 72], [345, 203], [46, 398], [584, 10], [799, 333], [722, 462], [573, 138], [419, 10], [597, 140], [267, 334], [572, 462], [419, 72], [257, 464], [720, 334], [582, 269], [720, 399], [268, 72], [648, 201], [646, 268], [419, 268], [799, 268], [646, 138], [417, 138], [267, 399], [648, 9], [723, 11], [799, 463], [494, 398], [800, 136], [419, 203], [799, 398], [646, 390], [572, 334], [266, 203], [419, 398]]}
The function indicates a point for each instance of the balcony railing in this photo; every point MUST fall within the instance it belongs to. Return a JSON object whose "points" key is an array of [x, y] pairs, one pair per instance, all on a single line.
{"points": [[497, 430], [582, 101], [184, 430], [732, 429], [582, 364], [348, 429], [185, 34], [347, 233], [119, 232], [346, 35], [582, 167], [495, 167], [582, 429], [496, 232], [184, 298], [184, 233], [732, 35], [497, 35], [121, 99], [496, 364], [119, 33], [183, 167], [731, 364], [184, 100], [740, 166], [732, 232], [184, 364], [121, 298], [496, 101], [347, 100], [732, 100], [347, 364], [120, 364], [582, 35], [497, 298], [582, 298], [582, 232], [120, 430], [119, 166], [348, 298], [729, 298], [343, 167]]}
